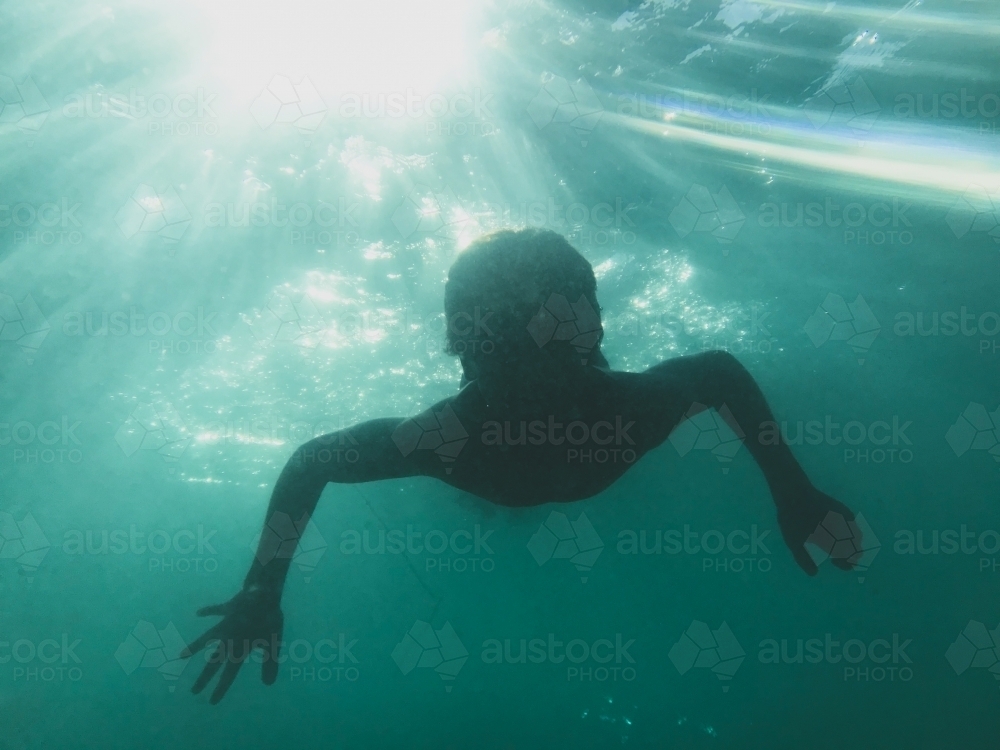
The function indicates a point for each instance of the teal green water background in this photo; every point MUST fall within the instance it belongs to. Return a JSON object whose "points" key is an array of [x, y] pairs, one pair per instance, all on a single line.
{"points": [[226, 229]]}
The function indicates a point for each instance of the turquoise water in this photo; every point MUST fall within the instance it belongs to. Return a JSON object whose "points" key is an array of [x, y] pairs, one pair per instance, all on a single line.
{"points": [[224, 231]]}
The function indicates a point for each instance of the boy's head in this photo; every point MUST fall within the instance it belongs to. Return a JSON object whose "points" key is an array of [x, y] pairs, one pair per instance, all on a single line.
{"points": [[517, 298]]}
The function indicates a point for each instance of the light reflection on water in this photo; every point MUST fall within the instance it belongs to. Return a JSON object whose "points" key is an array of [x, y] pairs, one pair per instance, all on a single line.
{"points": [[389, 273]]}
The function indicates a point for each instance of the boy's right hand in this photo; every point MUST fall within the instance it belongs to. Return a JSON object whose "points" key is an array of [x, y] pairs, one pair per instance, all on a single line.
{"points": [[251, 620]]}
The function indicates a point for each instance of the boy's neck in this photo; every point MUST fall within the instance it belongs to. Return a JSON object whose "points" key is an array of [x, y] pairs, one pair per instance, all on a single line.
{"points": [[532, 393]]}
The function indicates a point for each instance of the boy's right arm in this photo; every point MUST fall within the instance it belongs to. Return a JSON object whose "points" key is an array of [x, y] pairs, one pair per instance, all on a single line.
{"points": [[365, 453], [252, 620]]}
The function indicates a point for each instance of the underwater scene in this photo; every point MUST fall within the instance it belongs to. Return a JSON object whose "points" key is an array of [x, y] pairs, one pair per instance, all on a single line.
{"points": [[500, 374]]}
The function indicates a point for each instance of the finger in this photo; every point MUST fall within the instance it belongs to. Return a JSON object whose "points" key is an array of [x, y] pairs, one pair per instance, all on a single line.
{"points": [[269, 669], [858, 540], [213, 666], [199, 643], [804, 560], [849, 563], [215, 610], [858, 534], [846, 512], [228, 675], [844, 563]]}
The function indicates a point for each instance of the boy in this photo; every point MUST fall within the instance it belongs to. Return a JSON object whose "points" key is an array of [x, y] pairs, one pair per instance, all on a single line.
{"points": [[539, 418]]}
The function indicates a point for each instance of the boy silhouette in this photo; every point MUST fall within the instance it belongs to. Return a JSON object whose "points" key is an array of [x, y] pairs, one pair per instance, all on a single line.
{"points": [[540, 418]]}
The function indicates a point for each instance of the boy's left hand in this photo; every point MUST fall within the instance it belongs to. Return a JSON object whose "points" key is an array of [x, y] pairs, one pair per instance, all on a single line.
{"points": [[799, 516]]}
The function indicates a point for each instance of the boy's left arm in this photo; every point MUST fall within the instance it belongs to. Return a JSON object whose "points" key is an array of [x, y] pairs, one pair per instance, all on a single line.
{"points": [[716, 379]]}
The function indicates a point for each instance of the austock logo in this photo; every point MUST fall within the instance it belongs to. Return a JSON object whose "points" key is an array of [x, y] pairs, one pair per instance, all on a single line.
{"points": [[976, 647], [700, 210], [147, 647], [561, 320], [977, 211], [411, 103], [836, 538], [335, 659], [47, 661], [577, 651], [147, 211], [427, 648], [561, 539], [951, 542], [703, 428], [976, 429], [838, 320], [23, 324], [440, 432], [845, 101], [700, 647], [870, 223], [153, 428], [737, 551], [23, 542], [428, 212], [743, 114], [469, 550], [560, 101], [887, 657], [136, 105], [854, 434], [305, 320], [284, 539], [182, 550], [283, 101], [43, 224], [22, 106], [293, 319]]}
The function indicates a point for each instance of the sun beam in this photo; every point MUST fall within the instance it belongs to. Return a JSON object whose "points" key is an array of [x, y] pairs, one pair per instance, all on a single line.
{"points": [[372, 47]]}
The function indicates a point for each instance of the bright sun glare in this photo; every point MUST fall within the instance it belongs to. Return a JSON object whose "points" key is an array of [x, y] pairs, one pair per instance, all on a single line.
{"points": [[367, 47]]}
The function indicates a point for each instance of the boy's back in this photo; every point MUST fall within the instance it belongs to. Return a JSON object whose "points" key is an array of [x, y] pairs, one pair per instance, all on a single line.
{"points": [[541, 419], [566, 442]]}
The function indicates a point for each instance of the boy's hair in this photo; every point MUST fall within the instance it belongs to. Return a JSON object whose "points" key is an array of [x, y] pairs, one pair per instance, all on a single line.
{"points": [[496, 291]]}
